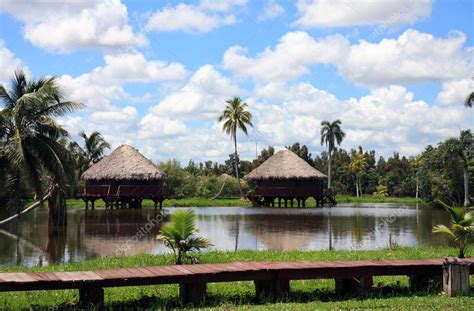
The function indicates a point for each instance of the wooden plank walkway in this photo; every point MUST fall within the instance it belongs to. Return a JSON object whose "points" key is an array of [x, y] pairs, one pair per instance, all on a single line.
{"points": [[271, 278]]}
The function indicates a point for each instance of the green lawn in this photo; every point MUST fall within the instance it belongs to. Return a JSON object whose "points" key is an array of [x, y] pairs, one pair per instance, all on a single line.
{"points": [[205, 202], [390, 292]]}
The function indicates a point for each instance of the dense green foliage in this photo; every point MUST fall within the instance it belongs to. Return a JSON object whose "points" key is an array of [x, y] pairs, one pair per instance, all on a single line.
{"points": [[309, 294]]}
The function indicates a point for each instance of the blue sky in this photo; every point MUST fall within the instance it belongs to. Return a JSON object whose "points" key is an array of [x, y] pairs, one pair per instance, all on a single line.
{"points": [[156, 74]]}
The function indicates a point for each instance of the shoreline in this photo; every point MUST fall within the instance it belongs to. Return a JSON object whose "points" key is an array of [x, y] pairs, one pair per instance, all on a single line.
{"points": [[236, 202]]}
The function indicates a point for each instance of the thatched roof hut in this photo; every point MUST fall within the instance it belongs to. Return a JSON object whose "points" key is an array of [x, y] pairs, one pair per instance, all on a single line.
{"points": [[286, 176], [285, 164], [124, 163], [124, 177]]}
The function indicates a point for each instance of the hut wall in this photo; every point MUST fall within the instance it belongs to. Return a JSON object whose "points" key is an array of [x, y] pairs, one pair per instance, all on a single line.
{"points": [[152, 189], [290, 188]]}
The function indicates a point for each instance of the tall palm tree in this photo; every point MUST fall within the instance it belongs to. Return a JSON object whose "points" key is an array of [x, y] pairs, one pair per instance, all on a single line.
{"points": [[30, 136], [358, 165], [331, 134], [469, 100], [94, 146], [235, 116]]}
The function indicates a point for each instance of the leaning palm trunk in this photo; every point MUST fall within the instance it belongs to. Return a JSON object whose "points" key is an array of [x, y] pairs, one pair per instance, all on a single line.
{"points": [[57, 210], [236, 160], [467, 201]]}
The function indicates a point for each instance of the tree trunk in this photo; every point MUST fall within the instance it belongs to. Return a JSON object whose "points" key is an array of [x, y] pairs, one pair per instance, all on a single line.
{"points": [[357, 187], [417, 187], [329, 168], [236, 160], [57, 211], [467, 202], [360, 187]]}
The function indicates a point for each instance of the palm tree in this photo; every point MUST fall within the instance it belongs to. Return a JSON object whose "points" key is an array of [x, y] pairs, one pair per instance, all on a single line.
{"points": [[236, 117], [94, 146], [331, 134], [180, 235], [30, 137], [462, 227], [460, 148], [358, 165], [469, 100]]}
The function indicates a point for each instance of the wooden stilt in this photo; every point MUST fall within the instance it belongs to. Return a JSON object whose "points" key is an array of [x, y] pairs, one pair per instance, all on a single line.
{"points": [[271, 289], [192, 292], [91, 297], [355, 286], [455, 278]]}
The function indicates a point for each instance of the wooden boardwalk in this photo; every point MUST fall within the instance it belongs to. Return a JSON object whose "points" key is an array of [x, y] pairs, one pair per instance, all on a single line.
{"points": [[271, 278]]}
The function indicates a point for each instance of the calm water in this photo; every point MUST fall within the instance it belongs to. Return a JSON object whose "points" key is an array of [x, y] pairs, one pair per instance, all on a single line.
{"points": [[106, 233]]}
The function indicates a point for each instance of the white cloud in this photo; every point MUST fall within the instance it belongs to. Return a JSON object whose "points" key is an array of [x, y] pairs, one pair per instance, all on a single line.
{"points": [[289, 59], [413, 57], [455, 92], [152, 126], [221, 5], [188, 18], [103, 86], [343, 13], [75, 25], [125, 115], [133, 67], [201, 98], [271, 10], [9, 62]]}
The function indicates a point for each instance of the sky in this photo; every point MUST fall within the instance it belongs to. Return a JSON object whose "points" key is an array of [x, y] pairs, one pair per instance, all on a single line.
{"points": [[156, 74]]}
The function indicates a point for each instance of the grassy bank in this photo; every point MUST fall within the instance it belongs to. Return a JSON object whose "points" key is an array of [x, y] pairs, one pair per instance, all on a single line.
{"points": [[205, 202], [391, 292]]}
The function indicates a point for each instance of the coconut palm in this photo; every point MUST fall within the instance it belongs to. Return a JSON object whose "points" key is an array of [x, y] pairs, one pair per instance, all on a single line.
{"points": [[30, 136], [180, 235], [94, 146], [235, 116], [461, 229], [358, 165], [460, 148], [331, 134], [469, 100]]}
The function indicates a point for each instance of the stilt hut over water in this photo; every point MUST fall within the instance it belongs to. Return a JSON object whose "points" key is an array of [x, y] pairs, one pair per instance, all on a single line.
{"points": [[285, 176], [123, 179]]}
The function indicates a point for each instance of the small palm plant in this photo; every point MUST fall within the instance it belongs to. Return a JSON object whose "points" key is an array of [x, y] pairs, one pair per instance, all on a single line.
{"points": [[180, 236], [462, 227]]}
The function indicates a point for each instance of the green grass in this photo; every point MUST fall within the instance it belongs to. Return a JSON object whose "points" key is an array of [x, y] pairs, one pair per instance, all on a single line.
{"points": [[390, 292], [205, 202]]}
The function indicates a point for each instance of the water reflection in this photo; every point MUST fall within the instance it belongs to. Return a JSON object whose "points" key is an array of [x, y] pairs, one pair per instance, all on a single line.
{"points": [[106, 233]]}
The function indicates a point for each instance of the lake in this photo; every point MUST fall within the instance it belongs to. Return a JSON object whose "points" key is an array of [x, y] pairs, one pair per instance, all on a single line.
{"points": [[106, 233]]}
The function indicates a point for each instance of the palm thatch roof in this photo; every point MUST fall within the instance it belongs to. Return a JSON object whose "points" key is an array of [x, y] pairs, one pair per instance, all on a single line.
{"points": [[285, 164], [124, 163]]}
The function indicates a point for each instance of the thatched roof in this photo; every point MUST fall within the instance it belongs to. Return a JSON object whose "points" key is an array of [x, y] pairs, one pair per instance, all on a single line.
{"points": [[285, 164], [124, 163]]}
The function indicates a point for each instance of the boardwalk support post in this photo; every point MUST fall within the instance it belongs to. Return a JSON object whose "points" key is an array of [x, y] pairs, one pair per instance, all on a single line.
{"points": [[193, 293], [419, 282], [272, 289], [355, 286], [91, 296], [455, 277]]}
